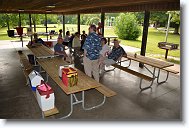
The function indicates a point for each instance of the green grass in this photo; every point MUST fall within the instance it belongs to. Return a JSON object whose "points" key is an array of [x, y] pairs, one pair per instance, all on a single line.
{"points": [[154, 36]]}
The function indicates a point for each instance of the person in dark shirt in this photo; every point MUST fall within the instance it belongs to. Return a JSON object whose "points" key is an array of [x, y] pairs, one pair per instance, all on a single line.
{"points": [[113, 56], [38, 40], [83, 38], [59, 49]]}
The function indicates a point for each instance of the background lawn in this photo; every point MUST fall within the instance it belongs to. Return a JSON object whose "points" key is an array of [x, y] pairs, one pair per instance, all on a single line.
{"points": [[154, 36]]}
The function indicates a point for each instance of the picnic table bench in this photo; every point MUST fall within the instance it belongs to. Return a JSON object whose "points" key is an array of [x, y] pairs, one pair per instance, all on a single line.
{"points": [[160, 65], [27, 69]]}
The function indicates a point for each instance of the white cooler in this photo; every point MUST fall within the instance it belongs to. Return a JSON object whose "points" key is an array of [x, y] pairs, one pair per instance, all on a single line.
{"points": [[35, 79]]}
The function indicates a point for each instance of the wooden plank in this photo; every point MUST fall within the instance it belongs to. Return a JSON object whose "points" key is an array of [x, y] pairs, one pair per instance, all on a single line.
{"points": [[41, 50], [148, 78], [106, 91], [170, 70], [25, 62]]}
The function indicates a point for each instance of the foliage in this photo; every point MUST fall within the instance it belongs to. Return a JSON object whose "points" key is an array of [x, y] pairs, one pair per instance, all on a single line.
{"points": [[139, 16], [158, 18], [126, 26], [175, 16]]}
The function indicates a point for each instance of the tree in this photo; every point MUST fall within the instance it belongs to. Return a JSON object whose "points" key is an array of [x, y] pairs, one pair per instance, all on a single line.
{"points": [[158, 17], [140, 17], [175, 18], [127, 27]]}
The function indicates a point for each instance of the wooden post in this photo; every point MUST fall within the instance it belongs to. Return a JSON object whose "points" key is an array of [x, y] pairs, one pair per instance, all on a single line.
{"points": [[34, 22], [78, 23], [7, 20], [19, 23], [30, 25], [46, 25], [145, 35], [102, 22], [63, 25]]}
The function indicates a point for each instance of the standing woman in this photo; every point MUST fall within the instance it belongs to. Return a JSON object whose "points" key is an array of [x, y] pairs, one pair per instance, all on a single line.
{"points": [[92, 47], [60, 34]]}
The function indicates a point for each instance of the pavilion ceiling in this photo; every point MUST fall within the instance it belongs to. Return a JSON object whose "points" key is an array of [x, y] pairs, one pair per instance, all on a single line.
{"points": [[85, 6]]}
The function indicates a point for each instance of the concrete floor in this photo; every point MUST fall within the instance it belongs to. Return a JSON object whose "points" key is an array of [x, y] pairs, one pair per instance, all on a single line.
{"points": [[162, 102]]}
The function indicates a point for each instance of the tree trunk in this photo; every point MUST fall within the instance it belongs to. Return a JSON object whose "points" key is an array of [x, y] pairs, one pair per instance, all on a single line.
{"points": [[176, 29]]}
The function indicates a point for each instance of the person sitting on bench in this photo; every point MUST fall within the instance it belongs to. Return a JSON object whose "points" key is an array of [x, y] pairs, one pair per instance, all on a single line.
{"points": [[38, 40], [113, 56], [59, 49]]}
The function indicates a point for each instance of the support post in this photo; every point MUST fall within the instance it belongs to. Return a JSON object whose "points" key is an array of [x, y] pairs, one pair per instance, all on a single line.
{"points": [[30, 25], [46, 25], [34, 22], [78, 23], [102, 22], [19, 23], [7, 20], [63, 25], [145, 35]]}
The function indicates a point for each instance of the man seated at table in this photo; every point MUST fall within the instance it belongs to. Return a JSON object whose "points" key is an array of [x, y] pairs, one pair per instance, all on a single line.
{"points": [[59, 49], [113, 56]]}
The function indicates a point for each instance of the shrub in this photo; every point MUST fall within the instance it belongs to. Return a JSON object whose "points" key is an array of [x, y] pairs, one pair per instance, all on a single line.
{"points": [[126, 26]]}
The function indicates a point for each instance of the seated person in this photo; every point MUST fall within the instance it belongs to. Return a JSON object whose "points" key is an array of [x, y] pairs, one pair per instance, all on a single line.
{"points": [[105, 50], [37, 40], [114, 55], [60, 50], [76, 43], [67, 38]]}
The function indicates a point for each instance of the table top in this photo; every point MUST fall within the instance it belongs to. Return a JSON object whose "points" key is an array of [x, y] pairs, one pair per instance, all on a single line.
{"points": [[149, 61], [51, 66], [41, 51]]}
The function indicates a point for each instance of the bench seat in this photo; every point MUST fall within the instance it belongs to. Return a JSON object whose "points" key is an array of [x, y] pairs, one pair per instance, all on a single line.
{"points": [[170, 70], [148, 78], [27, 69], [106, 91]]}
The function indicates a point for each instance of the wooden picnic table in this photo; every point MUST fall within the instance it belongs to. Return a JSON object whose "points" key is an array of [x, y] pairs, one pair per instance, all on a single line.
{"points": [[51, 66], [109, 37], [41, 50], [155, 63], [50, 63], [149, 61]]}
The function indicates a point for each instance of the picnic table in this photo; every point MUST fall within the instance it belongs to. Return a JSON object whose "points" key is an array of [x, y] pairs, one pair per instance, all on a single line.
{"points": [[40, 50], [51, 64], [109, 37], [154, 63]]}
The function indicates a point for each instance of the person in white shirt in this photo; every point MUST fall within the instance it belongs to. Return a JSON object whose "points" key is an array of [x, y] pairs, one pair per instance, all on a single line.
{"points": [[76, 43], [104, 52]]}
